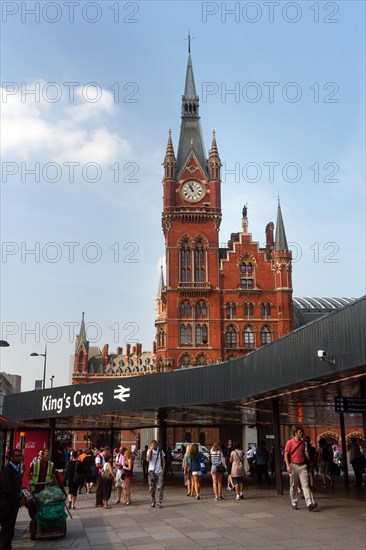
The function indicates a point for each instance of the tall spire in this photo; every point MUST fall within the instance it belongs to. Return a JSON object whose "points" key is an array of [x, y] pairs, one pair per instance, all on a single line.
{"points": [[161, 279], [190, 87], [169, 154], [81, 338], [280, 239], [214, 162], [190, 131]]}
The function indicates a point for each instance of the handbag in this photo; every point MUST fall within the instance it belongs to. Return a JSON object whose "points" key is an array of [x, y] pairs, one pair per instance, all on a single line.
{"points": [[106, 474], [203, 468], [220, 468]]}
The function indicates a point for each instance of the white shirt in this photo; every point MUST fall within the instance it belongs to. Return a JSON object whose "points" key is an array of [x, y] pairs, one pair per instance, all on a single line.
{"points": [[250, 453], [156, 461]]}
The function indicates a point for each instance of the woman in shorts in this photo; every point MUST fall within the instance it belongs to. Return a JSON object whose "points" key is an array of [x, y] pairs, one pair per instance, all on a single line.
{"points": [[218, 467], [196, 459], [237, 470], [187, 470]]}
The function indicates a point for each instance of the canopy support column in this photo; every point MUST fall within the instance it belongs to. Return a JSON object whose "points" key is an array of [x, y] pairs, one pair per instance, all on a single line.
{"points": [[277, 445]]}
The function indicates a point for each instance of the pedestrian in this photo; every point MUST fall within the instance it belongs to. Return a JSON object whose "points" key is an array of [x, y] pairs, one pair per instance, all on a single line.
{"points": [[81, 457], [250, 459], [187, 470], [99, 463], [312, 462], [218, 467], [90, 471], [73, 476], [169, 460], [119, 462], [272, 466], [10, 497], [144, 462], [108, 478], [227, 454], [127, 468], [357, 460], [156, 459], [237, 470], [261, 463], [325, 458], [196, 458], [296, 453], [41, 472]]}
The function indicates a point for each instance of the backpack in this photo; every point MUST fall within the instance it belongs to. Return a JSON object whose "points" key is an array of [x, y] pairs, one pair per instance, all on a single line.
{"points": [[327, 455]]}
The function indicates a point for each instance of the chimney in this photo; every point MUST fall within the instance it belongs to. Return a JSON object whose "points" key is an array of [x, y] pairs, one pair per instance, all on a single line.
{"points": [[269, 239], [105, 354], [119, 351], [128, 351]]}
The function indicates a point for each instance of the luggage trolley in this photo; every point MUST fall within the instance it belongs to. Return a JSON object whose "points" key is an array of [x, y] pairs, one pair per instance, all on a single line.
{"points": [[47, 509]]}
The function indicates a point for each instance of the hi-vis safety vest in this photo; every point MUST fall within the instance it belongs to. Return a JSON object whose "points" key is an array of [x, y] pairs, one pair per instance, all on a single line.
{"points": [[36, 467]]}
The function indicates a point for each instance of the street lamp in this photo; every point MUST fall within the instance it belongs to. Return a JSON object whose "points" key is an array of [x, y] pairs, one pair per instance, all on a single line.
{"points": [[4, 344], [52, 378], [44, 364]]}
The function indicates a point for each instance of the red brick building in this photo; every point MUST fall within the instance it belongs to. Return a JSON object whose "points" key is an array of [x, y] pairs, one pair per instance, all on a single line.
{"points": [[217, 303]]}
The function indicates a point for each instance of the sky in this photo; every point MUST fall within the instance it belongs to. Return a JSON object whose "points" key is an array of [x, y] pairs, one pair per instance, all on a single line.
{"points": [[89, 93]]}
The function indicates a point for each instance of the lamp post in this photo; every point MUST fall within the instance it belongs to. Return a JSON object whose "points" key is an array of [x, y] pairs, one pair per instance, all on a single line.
{"points": [[52, 379], [44, 364]]}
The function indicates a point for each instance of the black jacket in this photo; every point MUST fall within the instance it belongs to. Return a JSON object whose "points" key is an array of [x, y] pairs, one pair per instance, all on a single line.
{"points": [[10, 484], [74, 471]]}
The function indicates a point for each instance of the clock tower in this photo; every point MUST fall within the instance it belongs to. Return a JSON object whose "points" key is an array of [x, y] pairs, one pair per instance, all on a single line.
{"points": [[215, 303], [188, 321]]}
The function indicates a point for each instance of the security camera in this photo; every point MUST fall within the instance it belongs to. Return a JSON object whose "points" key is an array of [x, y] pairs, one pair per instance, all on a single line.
{"points": [[323, 356]]}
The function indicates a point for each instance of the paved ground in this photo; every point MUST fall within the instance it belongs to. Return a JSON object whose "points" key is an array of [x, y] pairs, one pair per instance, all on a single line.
{"points": [[263, 520]]}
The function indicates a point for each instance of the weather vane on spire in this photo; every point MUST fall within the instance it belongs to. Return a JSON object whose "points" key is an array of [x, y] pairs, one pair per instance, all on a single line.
{"points": [[189, 40]]}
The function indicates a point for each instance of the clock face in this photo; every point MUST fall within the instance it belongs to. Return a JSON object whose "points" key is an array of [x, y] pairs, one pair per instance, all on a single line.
{"points": [[193, 191]]}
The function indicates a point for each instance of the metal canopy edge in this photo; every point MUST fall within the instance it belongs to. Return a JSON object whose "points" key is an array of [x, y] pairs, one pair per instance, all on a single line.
{"points": [[286, 363]]}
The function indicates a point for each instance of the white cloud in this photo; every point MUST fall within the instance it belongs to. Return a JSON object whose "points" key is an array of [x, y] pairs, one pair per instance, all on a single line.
{"points": [[60, 132]]}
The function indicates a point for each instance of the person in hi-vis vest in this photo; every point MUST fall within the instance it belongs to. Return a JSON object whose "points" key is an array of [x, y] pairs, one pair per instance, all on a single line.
{"points": [[40, 472]]}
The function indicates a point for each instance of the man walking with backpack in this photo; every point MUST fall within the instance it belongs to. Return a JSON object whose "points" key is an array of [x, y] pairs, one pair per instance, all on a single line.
{"points": [[156, 460], [296, 454]]}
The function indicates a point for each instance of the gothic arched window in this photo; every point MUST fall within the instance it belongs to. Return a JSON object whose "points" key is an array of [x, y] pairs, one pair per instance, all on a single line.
{"points": [[246, 275], [248, 310], [266, 335], [230, 337], [185, 262], [248, 338], [265, 310], [199, 263], [198, 334], [201, 309], [185, 309], [185, 334]]}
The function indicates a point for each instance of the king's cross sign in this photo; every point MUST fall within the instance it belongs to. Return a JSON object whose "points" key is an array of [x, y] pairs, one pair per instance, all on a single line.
{"points": [[122, 393]]}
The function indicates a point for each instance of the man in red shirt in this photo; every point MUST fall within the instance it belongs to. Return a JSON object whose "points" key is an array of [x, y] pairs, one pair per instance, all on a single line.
{"points": [[296, 452]]}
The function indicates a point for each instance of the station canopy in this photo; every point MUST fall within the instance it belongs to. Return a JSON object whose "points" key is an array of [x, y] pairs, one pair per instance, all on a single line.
{"points": [[237, 392]]}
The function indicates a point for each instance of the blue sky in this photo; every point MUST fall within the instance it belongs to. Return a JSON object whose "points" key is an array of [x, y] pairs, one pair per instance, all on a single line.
{"points": [[312, 128]]}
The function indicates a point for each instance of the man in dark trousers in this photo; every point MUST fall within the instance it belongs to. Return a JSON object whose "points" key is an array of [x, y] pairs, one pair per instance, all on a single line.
{"points": [[99, 462], [10, 498]]}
